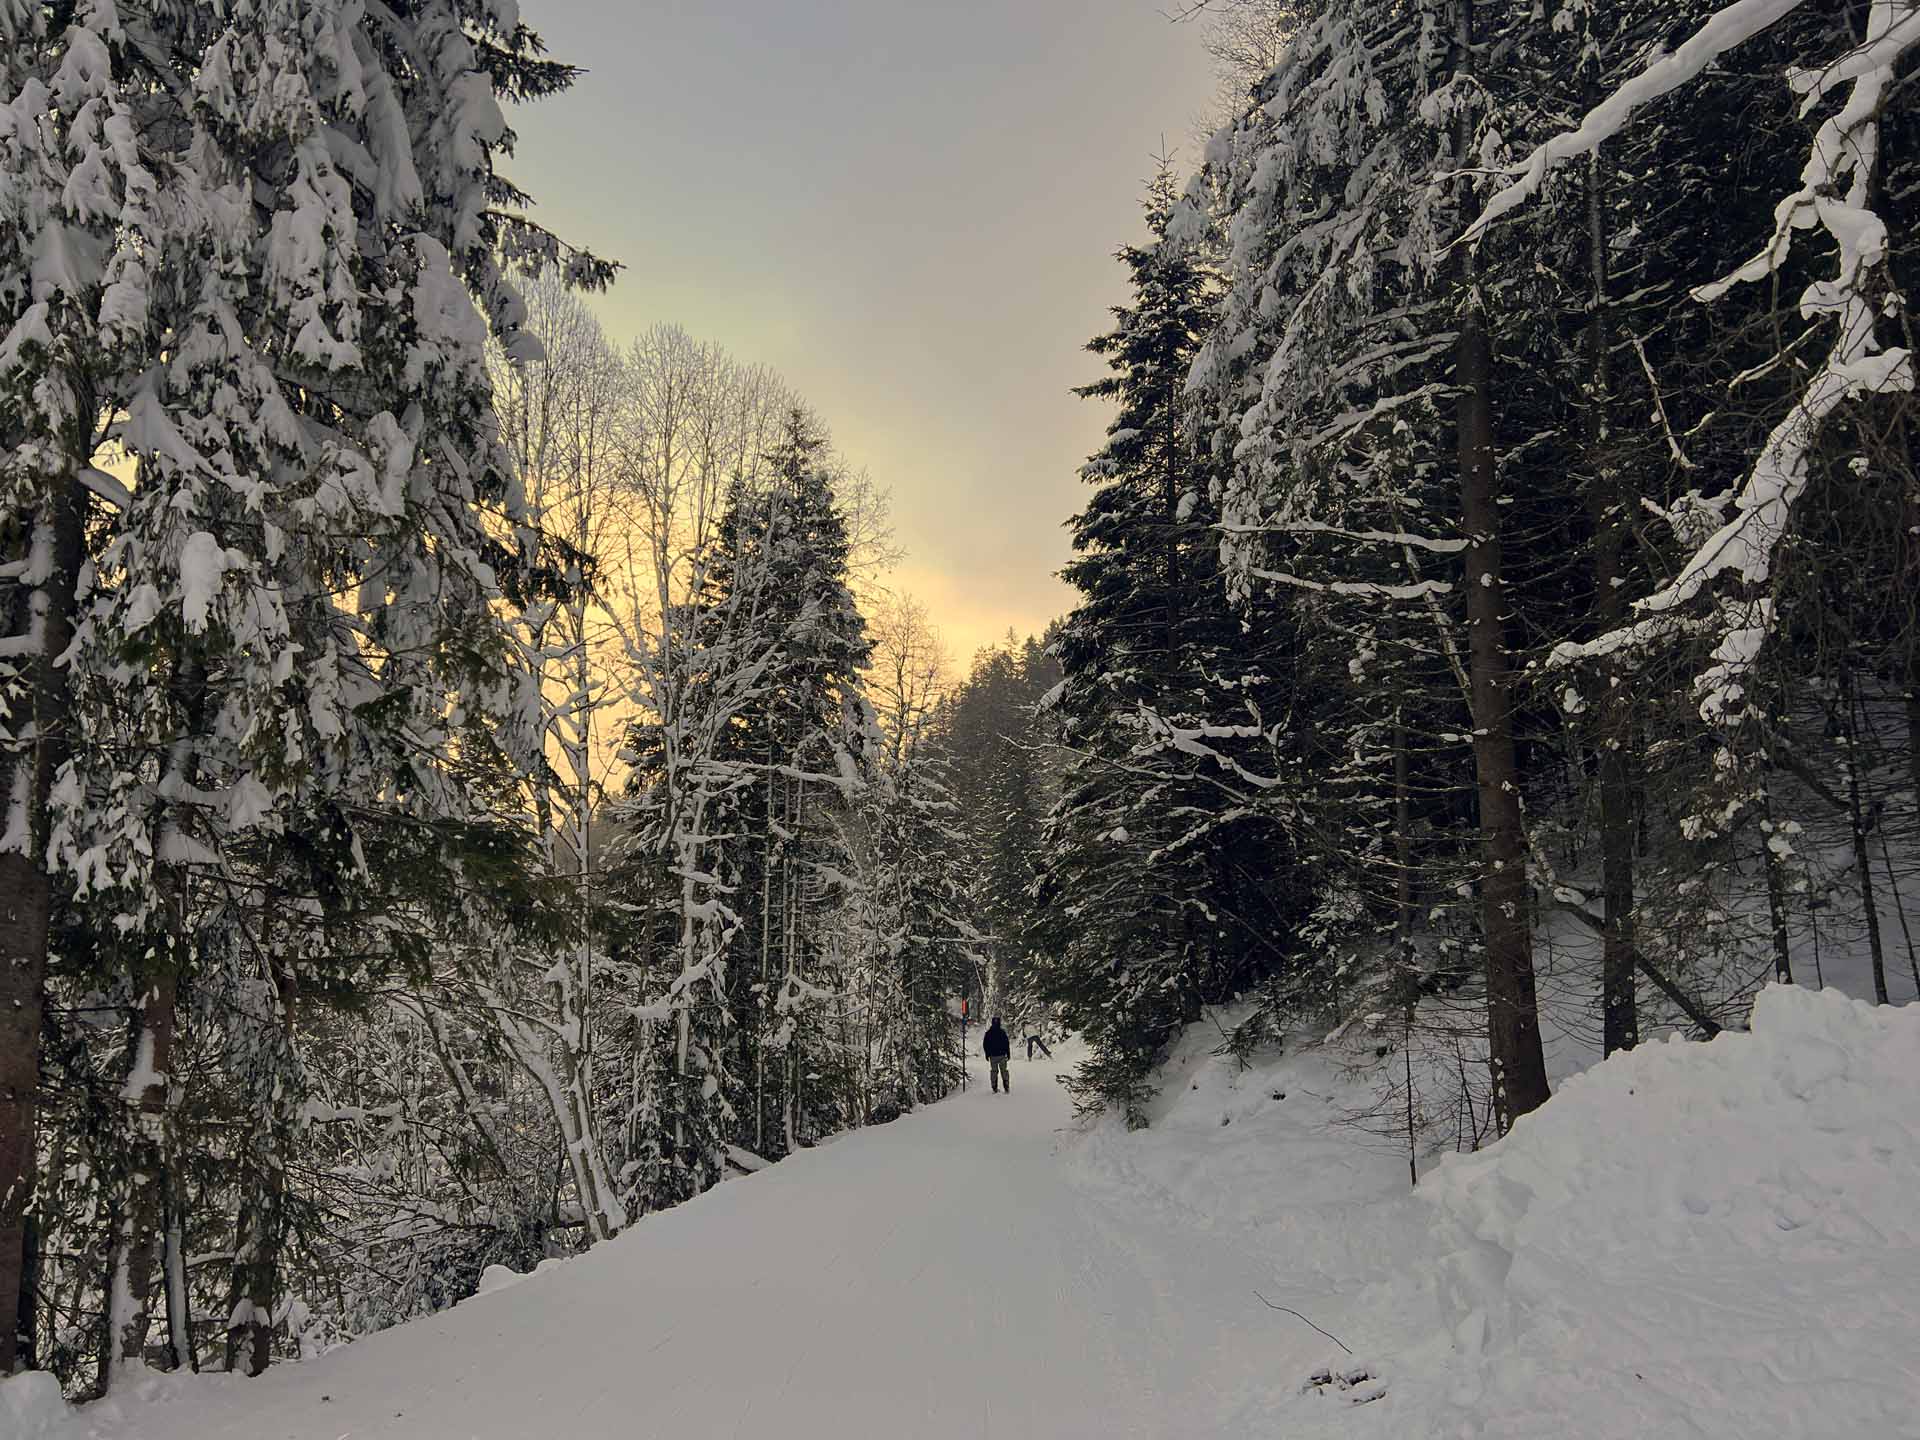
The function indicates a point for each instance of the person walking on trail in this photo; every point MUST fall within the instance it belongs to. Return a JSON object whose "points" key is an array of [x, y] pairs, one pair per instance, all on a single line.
{"points": [[998, 1049], [1033, 1040]]}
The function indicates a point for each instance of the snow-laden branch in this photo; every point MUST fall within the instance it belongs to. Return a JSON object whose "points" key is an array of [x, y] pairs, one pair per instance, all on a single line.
{"points": [[1888, 38], [107, 487], [1835, 187], [1356, 587], [1731, 27], [1380, 537]]}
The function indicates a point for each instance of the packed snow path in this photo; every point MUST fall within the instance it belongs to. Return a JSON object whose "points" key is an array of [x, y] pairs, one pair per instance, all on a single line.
{"points": [[939, 1276]]}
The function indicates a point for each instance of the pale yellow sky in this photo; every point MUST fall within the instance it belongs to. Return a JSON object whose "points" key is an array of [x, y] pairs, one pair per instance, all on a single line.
{"points": [[909, 209]]}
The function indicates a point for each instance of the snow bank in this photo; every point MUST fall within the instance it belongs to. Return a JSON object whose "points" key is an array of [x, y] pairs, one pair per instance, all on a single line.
{"points": [[504, 1277], [498, 1277], [1718, 1239], [1243, 1147], [31, 1406]]}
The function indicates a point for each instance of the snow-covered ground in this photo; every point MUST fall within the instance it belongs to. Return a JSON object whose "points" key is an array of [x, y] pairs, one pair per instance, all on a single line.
{"points": [[1690, 1240], [1693, 1240]]}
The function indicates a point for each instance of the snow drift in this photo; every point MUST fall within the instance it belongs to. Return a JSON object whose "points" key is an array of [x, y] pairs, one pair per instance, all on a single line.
{"points": [[1718, 1239], [1690, 1239], [31, 1407]]}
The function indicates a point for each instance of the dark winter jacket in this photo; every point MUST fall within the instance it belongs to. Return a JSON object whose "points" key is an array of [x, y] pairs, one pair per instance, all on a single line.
{"points": [[995, 1043]]}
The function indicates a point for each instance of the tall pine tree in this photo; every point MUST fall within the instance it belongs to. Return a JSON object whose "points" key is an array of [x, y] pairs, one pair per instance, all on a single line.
{"points": [[1163, 882]]}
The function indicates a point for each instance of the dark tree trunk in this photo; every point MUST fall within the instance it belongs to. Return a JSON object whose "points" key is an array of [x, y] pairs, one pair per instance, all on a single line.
{"points": [[1910, 582], [141, 1269], [26, 910], [174, 1262], [1170, 506], [1513, 1023], [250, 1298], [1776, 888], [1910, 586], [145, 1218], [24, 914], [27, 1356], [262, 1227], [1403, 916], [1614, 737], [1861, 821]]}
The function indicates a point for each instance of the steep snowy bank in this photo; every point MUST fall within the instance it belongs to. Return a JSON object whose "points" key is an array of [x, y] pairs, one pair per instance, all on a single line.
{"points": [[1698, 1240], [1724, 1237]]}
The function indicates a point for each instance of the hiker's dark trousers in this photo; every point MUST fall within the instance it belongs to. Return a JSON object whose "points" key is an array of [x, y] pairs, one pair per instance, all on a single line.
{"points": [[998, 1074]]}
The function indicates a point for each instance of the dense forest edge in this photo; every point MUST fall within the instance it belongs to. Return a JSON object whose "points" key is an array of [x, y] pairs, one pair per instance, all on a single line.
{"points": [[472, 782]]}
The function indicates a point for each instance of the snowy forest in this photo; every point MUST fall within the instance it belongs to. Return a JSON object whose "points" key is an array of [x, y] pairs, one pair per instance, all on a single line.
{"points": [[475, 780], [1501, 573]]}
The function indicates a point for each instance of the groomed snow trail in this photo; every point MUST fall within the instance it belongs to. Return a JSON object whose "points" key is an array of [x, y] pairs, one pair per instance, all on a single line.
{"points": [[939, 1276]]}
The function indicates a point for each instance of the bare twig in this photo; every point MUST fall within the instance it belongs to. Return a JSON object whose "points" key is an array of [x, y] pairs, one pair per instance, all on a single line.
{"points": [[1298, 1316], [1692, 1009]]}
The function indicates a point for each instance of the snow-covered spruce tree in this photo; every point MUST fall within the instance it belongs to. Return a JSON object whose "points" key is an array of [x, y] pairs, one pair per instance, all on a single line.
{"points": [[1754, 581], [904, 926], [1323, 409], [1352, 384], [1835, 196], [1803, 784], [391, 1201], [675, 1119], [1627, 397], [1614, 408], [1602, 396], [78, 205], [1009, 836], [1165, 878], [696, 657], [807, 739], [311, 420]]}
